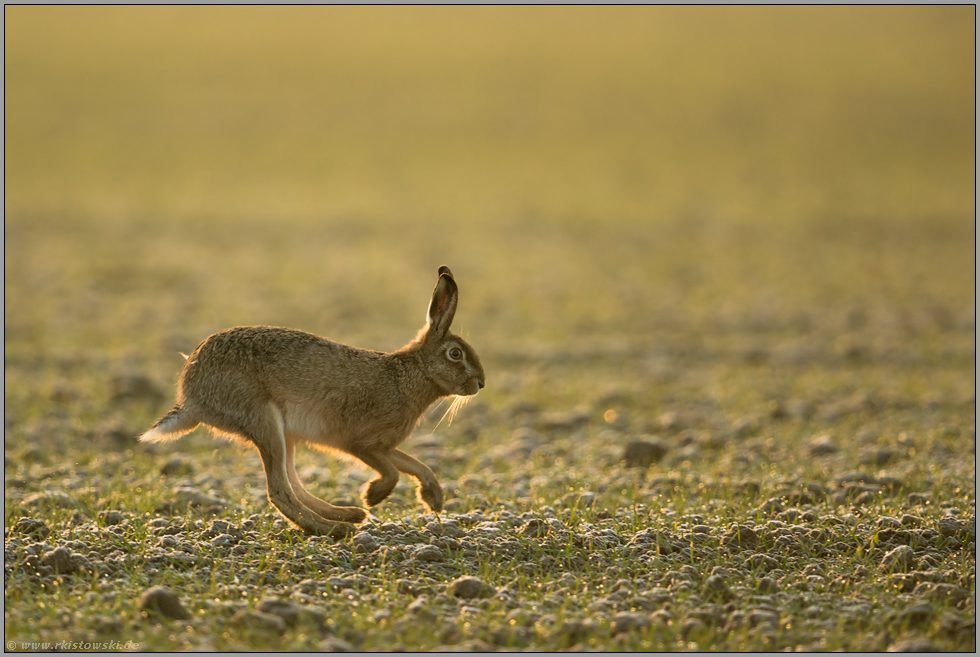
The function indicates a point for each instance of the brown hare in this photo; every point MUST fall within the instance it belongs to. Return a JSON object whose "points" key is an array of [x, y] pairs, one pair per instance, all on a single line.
{"points": [[273, 387]]}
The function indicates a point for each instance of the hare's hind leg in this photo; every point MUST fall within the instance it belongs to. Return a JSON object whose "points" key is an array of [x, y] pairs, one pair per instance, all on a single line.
{"points": [[328, 511], [270, 440], [429, 491]]}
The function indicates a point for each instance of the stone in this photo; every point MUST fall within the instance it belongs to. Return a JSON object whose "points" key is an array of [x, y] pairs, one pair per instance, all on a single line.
{"points": [[177, 465], [421, 608], [941, 592], [900, 558], [757, 617], [448, 528], [291, 613], [535, 527], [917, 613], [409, 587], [914, 645], [364, 543], [428, 554], [741, 536], [163, 601], [950, 526], [643, 453], [335, 644], [59, 560], [821, 446], [32, 527], [110, 517], [629, 622], [470, 587], [716, 587], [878, 456], [260, 621], [134, 387], [185, 496]]}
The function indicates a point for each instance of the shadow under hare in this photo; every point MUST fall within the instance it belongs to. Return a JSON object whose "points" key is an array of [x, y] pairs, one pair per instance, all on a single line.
{"points": [[273, 387]]}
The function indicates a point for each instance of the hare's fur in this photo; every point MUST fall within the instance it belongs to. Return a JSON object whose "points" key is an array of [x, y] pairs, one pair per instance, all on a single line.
{"points": [[273, 387]]}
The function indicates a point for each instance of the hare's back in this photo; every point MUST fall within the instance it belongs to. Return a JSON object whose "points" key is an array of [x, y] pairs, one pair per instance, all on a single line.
{"points": [[270, 352]]}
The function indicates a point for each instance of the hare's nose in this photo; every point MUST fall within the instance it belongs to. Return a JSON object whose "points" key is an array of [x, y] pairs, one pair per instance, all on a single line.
{"points": [[481, 382]]}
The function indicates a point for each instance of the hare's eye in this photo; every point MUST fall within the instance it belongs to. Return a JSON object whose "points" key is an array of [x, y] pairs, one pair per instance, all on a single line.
{"points": [[455, 353]]}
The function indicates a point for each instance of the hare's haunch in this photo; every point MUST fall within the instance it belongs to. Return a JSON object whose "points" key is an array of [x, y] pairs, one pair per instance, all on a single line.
{"points": [[273, 387]]}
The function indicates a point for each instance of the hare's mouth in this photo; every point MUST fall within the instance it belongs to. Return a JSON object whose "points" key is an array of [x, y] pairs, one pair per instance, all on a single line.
{"points": [[474, 386]]}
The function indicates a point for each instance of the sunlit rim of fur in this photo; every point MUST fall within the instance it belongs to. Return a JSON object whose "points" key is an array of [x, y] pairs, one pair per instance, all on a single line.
{"points": [[458, 402]]}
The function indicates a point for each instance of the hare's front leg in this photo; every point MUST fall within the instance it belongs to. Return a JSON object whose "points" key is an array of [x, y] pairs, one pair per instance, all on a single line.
{"points": [[270, 440], [325, 509], [429, 491], [380, 488]]}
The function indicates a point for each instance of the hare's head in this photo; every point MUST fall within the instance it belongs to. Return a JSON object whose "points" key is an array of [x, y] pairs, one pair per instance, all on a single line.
{"points": [[449, 360]]}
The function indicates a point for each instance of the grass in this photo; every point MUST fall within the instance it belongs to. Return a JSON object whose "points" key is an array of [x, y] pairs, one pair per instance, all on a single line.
{"points": [[738, 229]]}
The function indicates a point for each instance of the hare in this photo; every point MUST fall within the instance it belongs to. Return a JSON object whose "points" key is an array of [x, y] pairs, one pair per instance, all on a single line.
{"points": [[273, 387]]}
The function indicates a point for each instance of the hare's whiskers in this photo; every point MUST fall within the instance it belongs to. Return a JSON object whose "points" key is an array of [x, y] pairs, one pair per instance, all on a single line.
{"points": [[458, 402]]}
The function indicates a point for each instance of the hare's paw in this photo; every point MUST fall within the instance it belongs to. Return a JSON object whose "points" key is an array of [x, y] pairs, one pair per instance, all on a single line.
{"points": [[431, 496], [354, 514], [321, 527], [376, 491]]}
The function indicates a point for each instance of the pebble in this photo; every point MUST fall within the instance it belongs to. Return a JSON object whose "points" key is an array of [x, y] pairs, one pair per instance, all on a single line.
{"points": [[716, 587], [409, 587], [161, 600], [879, 456], [134, 387], [448, 528], [917, 613], [941, 592], [421, 608], [900, 558], [643, 453], [32, 527], [177, 465], [741, 536], [259, 621], [535, 527], [224, 540], [185, 496], [629, 622], [524, 440], [364, 543], [914, 645], [428, 554], [335, 644], [886, 522], [110, 518], [821, 446], [949, 526], [59, 560], [470, 587], [292, 613], [758, 617], [577, 417]]}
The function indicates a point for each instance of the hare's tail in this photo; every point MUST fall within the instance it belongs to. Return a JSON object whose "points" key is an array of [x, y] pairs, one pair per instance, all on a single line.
{"points": [[171, 426]]}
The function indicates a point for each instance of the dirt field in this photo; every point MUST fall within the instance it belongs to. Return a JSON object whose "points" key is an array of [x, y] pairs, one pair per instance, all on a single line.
{"points": [[719, 264]]}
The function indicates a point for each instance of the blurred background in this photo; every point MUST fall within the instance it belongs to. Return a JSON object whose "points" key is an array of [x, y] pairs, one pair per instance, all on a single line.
{"points": [[636, 183]]}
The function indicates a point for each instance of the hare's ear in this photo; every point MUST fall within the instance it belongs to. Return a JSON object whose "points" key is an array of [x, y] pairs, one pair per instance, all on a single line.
{"points": [[442, 307]]}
